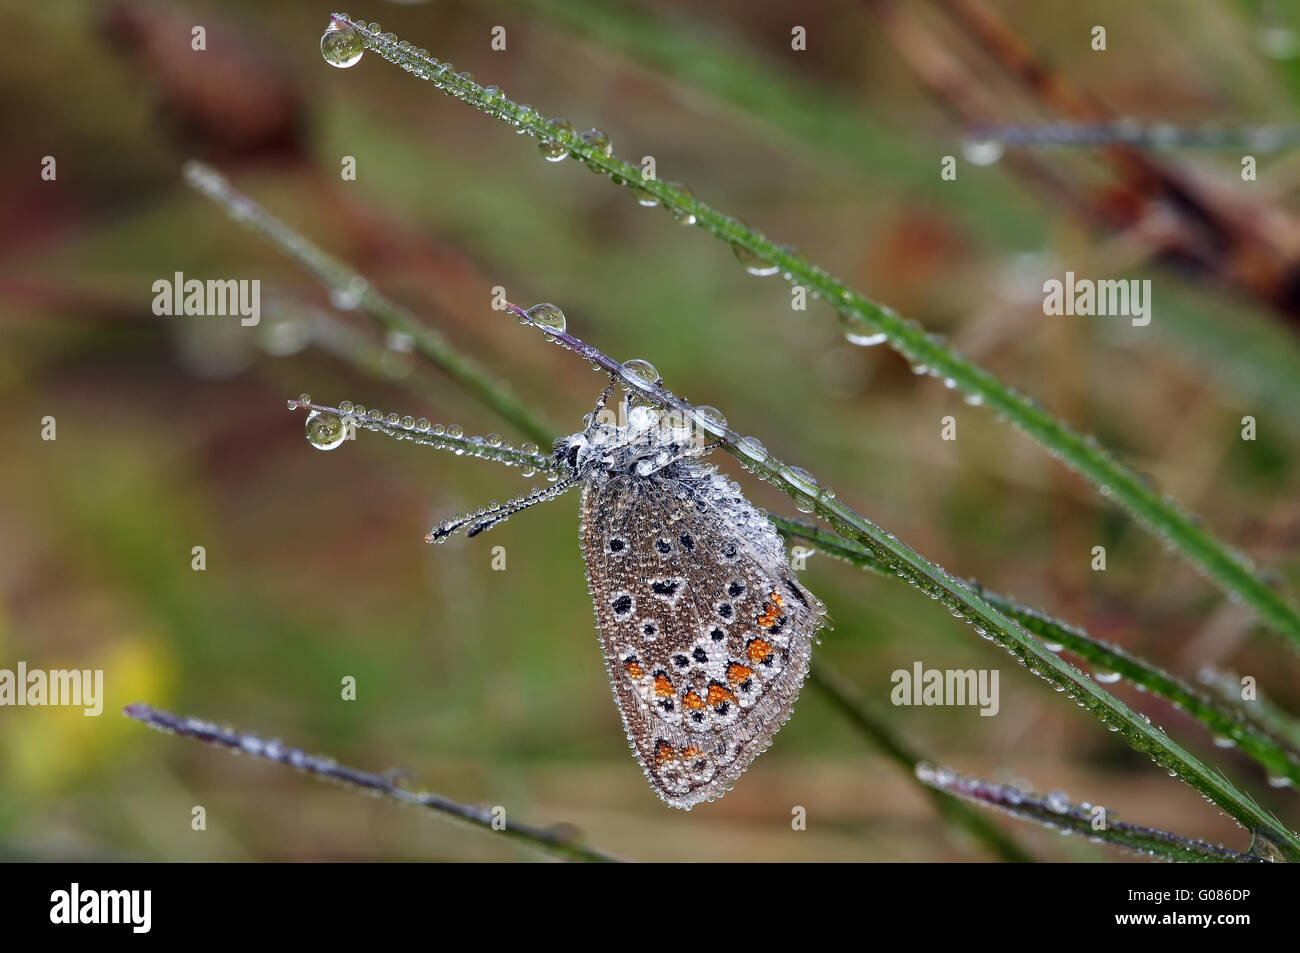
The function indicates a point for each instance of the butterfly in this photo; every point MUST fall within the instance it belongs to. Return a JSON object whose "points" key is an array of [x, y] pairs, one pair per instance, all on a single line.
{"points": [[707, 635]]}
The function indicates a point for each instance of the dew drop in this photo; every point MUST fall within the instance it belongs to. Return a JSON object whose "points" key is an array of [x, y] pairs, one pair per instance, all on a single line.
{"points": [[982, 151], [1058, 802], [866, 338], [455, 430], [644, 198], [642, 417], [325, 431], [347, 297], [553, 150], [547, 316], [345, 406], [754, 264], [341, 45], [711, 415], [641, 371], [683, 215], [1106, 678], [598, 141]]}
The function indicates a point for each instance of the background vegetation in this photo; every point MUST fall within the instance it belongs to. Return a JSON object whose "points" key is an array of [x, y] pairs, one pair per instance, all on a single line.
{"points": [[488, 686]]}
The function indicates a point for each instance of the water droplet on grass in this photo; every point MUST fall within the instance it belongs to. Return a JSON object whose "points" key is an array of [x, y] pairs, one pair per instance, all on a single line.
{"points": [[641, 371], [982, 151], [753, 263], [341, 46], [866, 338], [553, 150], [712, 416], [547, 316], [325, 431]]}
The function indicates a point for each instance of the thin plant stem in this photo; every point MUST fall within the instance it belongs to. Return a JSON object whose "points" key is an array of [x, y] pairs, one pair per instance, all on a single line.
{"points": [[553, 842], [1056, 811], [1228, 568], [1110, 662]]}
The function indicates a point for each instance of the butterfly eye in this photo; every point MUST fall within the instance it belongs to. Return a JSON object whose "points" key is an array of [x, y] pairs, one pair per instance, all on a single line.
{"points": [[573, 457]]}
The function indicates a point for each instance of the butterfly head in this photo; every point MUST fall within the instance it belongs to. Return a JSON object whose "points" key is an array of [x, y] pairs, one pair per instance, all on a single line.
{"points": [[609, 449]]}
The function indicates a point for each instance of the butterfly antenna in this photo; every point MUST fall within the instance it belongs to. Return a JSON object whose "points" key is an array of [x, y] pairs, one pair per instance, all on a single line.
{"points": [[328, 427], [485, 519]]}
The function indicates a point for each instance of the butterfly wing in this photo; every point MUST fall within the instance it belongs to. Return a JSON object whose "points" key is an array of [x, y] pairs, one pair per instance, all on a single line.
{"points": [[707, 635]]}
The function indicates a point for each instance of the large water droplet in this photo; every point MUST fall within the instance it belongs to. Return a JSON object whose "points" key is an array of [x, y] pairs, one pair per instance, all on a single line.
{"points": [[547, 316], [341, 45], [640, 370], [325, 431]]}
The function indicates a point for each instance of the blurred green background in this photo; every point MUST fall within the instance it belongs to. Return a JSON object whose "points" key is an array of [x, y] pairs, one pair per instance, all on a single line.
{"points": [[489, 686]]}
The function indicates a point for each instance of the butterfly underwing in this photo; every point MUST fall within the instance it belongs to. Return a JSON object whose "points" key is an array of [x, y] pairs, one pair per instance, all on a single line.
{"points": [[707, 635]]}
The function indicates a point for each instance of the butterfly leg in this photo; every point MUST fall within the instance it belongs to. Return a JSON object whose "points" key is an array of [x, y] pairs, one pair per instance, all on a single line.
{"points": [[486, 519], [601, 401]]}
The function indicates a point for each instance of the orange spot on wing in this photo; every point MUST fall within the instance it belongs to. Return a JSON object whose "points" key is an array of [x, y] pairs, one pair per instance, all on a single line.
{"points": [[737, 673], [693, 701], [664, 752], [663, 686], [757, 650], [634, 669], [771, 610], [718, 694]]}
